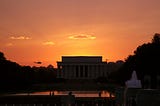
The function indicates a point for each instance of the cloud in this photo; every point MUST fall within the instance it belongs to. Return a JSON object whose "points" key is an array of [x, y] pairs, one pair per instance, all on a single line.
{"points": [[9, 44], [49, 43], [82, 36], [20, 37], [38, 62]]}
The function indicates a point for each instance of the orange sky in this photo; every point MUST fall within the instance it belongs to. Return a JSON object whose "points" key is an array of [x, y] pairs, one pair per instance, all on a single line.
{"points": [[45, 30]]}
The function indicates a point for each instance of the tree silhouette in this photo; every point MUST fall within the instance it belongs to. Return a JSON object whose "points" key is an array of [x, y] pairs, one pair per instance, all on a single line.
{"points": [[2, 56], [14, 76], [156, 38], [145, 60]]}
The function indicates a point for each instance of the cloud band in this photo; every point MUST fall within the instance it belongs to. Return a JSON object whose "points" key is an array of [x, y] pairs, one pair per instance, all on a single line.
{"points": [[82, 36]]}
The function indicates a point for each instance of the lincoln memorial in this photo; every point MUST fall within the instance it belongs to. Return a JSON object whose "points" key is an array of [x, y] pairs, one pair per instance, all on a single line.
{"points": [[81, 67]]}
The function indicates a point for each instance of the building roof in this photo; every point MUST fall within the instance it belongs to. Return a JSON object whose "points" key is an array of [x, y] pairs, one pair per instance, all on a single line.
{"points": [[81, 58]]}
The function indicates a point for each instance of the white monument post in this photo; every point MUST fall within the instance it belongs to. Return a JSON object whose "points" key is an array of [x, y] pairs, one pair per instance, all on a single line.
{"points": [[132, 83]]}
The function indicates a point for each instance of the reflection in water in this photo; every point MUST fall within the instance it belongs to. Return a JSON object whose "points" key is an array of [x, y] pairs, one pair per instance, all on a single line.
{"points": [[76, 93]]}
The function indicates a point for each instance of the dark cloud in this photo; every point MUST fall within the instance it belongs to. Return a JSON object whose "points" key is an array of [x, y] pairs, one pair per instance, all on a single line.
{"points": [[38, 62]]}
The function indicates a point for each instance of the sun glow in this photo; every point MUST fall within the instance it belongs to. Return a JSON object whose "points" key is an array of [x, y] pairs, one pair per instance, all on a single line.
{"points": [[82, 53], [49, 29]]}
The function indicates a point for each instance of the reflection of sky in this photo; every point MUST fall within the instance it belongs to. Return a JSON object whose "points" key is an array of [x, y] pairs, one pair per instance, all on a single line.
{"points": [[76, 93]]}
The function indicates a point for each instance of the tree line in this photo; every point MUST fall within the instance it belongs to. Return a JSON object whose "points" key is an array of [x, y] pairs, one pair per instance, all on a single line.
{"points": [[13, 75], [145, 61]]}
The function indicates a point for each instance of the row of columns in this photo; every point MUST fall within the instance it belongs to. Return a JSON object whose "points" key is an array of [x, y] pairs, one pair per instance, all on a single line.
{"points": [[81, 71]]}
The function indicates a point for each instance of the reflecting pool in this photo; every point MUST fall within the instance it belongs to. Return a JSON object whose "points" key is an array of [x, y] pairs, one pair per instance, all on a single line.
{"points": [[75, 93]]}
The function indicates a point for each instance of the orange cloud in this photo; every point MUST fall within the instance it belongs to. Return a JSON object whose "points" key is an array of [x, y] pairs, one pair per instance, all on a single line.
{"points": [[49, 43], [9, 44], [82, 36], [20, 37]]}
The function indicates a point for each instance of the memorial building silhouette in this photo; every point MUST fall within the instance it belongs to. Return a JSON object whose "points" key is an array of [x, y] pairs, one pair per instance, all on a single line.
{"points": [[81, 67]]}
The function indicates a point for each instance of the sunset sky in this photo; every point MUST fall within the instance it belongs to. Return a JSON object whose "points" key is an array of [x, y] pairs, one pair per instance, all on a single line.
{"points": [[45, 30]]}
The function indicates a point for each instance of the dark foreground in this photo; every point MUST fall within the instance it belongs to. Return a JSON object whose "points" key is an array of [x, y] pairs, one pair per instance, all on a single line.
{"points": [[46, 100]]}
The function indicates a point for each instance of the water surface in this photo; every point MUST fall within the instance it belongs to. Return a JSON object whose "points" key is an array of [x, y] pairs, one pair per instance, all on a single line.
{"points": [[75, 93]]}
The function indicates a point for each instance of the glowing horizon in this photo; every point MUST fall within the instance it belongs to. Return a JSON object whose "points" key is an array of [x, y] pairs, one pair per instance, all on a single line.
{"points": [[32, 30]]}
